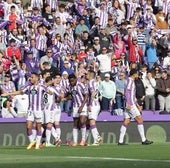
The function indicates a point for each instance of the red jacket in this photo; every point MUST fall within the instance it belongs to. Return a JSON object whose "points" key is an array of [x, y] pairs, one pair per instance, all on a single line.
{"points": [[132, 51], [13, 51], [12, 19]]}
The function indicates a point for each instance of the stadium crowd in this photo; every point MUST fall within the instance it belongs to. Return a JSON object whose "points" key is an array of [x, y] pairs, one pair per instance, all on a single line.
{"points": [[109, 37], [83, 53]]}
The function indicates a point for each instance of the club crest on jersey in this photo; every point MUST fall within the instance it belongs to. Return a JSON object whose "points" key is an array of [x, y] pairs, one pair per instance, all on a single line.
{"points": [[33, 91]]}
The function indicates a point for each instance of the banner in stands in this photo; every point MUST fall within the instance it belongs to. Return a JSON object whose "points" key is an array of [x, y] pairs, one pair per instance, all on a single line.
{"points": [[15, 133]]}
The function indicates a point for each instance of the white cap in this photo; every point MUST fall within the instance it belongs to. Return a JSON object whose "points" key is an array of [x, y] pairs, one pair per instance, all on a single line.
{"points": [[66, 62], [65, 73], [17, 1], [82, 48], [96, 38], [107, 75]]}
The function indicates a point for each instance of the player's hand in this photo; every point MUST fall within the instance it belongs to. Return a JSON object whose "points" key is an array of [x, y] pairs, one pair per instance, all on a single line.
{"points": [[89, 108], [4, 94], [128, 106], [58, 99], [80, 109]]}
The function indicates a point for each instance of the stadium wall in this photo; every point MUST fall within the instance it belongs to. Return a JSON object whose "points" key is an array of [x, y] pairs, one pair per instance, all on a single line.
{"points": [[13, 131]]}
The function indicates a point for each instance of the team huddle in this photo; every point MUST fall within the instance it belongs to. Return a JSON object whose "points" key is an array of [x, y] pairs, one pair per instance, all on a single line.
{"points": [[44, 108]]}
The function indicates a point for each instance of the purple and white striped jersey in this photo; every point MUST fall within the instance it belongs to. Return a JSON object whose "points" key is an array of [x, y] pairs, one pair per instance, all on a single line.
{"points": [[22, 77], [41, 42], [14, 72], [93, 86], [64, 84], [131, 9], [53, 3], [50, 99], [103, 15], [60, 92], [35, 93], [166, 7], [36, 3], [8, 87], [130, 92], [77, 92]]}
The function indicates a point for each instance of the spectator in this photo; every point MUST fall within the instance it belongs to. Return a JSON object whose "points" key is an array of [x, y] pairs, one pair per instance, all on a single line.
{"points": [[150, 85], [13, 51], [32, 64], [81, 27], [7, 110], [151, 53], [120, 93], [163, 87], [140, 91], [135, 51], [107, 89], [20, 103], [8, 85], [161, 22], [104, 38], [46, 58], [12, 17], [104, 62], [166, 60]]}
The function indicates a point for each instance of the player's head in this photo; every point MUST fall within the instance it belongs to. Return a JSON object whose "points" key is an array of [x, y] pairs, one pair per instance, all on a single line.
{"points": [[48, 80], [72, 79], [57, 78], [34, 78], [91, 74]]}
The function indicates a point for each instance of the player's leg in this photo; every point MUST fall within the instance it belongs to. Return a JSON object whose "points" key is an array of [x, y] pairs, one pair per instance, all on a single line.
{"points": [[75, 131], [141, 131], [93, 114], [123, 131], [83, 119]]}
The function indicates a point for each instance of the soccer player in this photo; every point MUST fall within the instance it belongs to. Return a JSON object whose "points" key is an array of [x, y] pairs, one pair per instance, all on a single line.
{"points": [[35, 110], [132, 110], [79, 93], [58, 87], [50, 99], [93, 106]]}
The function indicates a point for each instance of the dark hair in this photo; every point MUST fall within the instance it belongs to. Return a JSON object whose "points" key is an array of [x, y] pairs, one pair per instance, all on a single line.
{"points": [[49, 78], [36, 74], [133, 71], [5, 103], [72, 76], [92, 72]]}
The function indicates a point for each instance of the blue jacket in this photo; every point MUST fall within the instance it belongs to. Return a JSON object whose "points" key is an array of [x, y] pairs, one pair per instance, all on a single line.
{"points": [[151, 53]]}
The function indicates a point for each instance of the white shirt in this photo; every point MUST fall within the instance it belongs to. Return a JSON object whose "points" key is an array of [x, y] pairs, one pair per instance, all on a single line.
{"points": [[7, 114], [21, 103], [104, 62], [149, 86], [166, 61]]}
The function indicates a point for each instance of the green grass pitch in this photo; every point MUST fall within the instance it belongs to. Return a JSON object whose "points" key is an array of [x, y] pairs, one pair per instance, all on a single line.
{"points": [[133, 155]]}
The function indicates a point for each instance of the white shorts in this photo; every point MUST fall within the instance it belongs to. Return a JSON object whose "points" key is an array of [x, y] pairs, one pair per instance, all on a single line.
{"points": [[49, 116], [37, 116], [76, 114], [93, 114], [132, 113], [57, 116]]}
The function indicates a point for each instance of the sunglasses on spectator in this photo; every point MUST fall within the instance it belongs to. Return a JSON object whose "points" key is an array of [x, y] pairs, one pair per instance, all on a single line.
{"points": [[49, 51]]}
